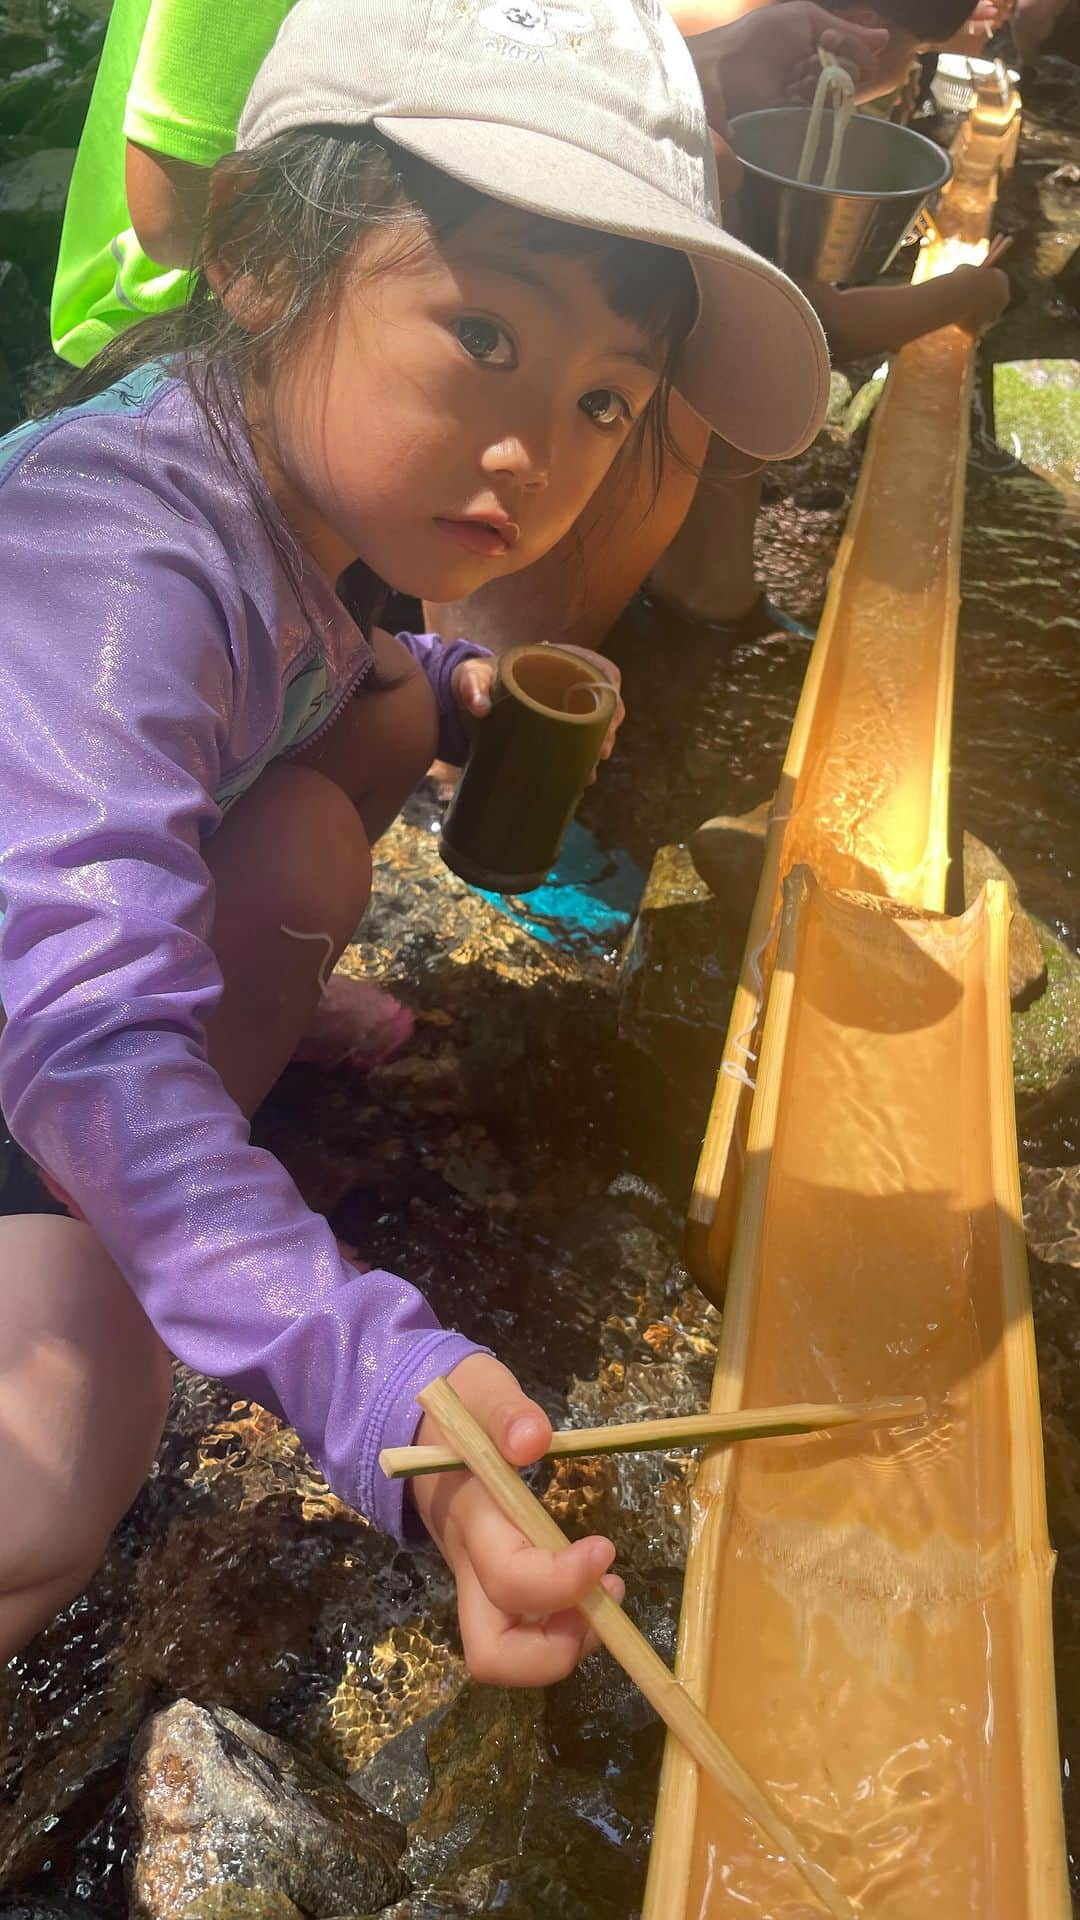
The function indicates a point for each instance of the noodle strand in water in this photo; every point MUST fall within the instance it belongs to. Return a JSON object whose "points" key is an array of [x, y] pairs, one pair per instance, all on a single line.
{"points": [[837, 83]]}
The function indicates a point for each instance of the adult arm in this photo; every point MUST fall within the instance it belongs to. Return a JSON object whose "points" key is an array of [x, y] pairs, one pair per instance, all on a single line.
{"points": [[872, 320], [197, 60], [167, 203]]}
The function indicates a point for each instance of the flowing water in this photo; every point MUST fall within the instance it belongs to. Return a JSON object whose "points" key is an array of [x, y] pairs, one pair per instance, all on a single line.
{"points": [[530, 1171]]}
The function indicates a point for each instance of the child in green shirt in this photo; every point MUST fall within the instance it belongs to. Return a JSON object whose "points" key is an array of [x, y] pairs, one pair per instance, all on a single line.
{"points": [[173, 78]]}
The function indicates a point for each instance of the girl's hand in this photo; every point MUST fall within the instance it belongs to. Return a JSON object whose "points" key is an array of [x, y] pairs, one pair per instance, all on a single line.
{"points": [[472, 683], [981, 294], [519, 1624]]}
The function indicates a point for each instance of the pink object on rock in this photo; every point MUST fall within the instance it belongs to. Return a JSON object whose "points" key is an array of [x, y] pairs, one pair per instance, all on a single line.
{"points": [[356, 1024]]}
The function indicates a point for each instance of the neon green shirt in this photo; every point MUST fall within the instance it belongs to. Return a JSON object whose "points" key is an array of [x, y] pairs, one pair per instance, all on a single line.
{"points": [[174, 76]]}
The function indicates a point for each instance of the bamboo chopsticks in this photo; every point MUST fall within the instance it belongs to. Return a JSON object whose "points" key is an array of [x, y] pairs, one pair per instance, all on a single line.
{"points": [[692, 1430], [622, 1639]]}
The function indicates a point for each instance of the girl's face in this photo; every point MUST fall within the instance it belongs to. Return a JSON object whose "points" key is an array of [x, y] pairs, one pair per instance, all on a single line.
{"points": [[453, 415]]}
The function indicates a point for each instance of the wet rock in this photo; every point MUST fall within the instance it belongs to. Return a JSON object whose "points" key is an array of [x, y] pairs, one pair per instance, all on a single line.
{"points": [[21, 45], [214, 1799], [1046, 1035], [48, 1910], [679, 972], [398, 1780], [483, 1756], [427, 1906], [506, 1830], [727, 852], [1027, 962], [33, 192], [26, 95], [1052, 1213], [24, 324], [231, 1902], [11, 407], [58, 120]]}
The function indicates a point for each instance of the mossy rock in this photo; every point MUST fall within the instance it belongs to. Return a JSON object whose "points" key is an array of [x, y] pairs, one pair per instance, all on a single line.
{"points": [[1046, 1035], [860, 412], [230, 1902], [1037, 414]]}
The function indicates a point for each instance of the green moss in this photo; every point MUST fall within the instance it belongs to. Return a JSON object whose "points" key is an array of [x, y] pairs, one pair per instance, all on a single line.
{"points": [[230, 1902], [1046, 1035], [1037, 414]]}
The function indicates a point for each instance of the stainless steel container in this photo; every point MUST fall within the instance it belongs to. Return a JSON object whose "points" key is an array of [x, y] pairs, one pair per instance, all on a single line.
{"points": [[844, 233]]}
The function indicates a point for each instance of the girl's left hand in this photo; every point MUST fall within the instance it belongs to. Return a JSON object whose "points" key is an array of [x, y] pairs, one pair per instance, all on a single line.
{"points": [[473, 679], [519, 1624]]}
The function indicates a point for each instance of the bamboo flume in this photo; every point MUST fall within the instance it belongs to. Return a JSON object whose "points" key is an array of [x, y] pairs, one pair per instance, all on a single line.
{"points": [[663, 1436], [870, 1628], [630, 1648]]}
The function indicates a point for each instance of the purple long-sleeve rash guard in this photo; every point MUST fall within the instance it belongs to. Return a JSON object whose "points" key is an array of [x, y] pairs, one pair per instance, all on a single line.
{"points": [[154, 657]]}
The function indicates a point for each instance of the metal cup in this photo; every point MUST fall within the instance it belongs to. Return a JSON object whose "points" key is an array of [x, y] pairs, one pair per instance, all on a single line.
{"points": [[530, 761], [844, 233]]}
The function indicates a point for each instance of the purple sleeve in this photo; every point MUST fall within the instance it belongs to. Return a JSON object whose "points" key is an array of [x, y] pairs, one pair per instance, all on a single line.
{"points": [[123, 647], [438, 659]]}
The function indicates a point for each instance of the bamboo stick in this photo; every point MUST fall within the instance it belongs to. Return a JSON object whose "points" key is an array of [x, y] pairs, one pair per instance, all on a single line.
{"points": [[622, 1639], [658, 1436]]}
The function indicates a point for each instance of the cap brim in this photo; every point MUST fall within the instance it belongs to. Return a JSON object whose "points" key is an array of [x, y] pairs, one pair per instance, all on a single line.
{"points": [[756, 366]]}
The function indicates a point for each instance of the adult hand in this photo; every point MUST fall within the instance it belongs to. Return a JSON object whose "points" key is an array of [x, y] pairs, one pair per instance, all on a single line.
{"points": [[519, 1624], [981, 296], [1033, 21], [978, 28], [473, 679], [770, 58]]}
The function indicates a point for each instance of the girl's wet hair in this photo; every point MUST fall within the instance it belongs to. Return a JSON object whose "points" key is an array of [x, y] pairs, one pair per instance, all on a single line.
{"points": [[284, 224]]}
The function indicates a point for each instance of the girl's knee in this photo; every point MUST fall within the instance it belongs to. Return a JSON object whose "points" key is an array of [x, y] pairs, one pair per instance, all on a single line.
{"points": [[293, 852], [84, 1391]]}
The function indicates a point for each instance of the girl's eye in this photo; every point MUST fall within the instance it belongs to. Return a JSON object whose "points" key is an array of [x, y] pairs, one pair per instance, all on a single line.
{"points": [[485, 340], [605, 408]]}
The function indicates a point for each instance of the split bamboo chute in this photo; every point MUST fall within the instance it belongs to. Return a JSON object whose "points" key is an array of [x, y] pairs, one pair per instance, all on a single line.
{"points": [[870, 1627], [618, 1633], [662, 1436]]}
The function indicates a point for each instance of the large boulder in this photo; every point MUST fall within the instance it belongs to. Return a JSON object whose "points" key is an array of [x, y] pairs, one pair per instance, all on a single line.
{"points": [[216, 1803]]}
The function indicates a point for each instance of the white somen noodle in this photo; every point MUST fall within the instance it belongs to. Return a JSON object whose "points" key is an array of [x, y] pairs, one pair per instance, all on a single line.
{"points": [[834, 85]]}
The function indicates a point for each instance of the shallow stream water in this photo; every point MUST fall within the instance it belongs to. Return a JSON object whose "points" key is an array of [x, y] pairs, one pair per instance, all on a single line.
{"points": [[530, 1170]]}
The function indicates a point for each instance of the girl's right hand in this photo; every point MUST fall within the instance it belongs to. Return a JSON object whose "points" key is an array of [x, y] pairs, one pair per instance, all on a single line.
{"points": [[982, 295], [519, 1624]]}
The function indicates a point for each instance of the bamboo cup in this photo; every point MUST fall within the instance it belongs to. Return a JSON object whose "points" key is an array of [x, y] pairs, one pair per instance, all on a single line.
{"points": [[530, 759], [660, 1436], [621, 1637]]}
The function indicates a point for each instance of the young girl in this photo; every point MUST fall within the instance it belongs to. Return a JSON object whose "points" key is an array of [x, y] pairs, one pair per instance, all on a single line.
{"points": [[446, 281]]}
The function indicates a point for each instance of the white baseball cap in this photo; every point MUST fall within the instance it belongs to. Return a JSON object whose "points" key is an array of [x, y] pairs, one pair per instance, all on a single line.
{"points": [[590, 114]]}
